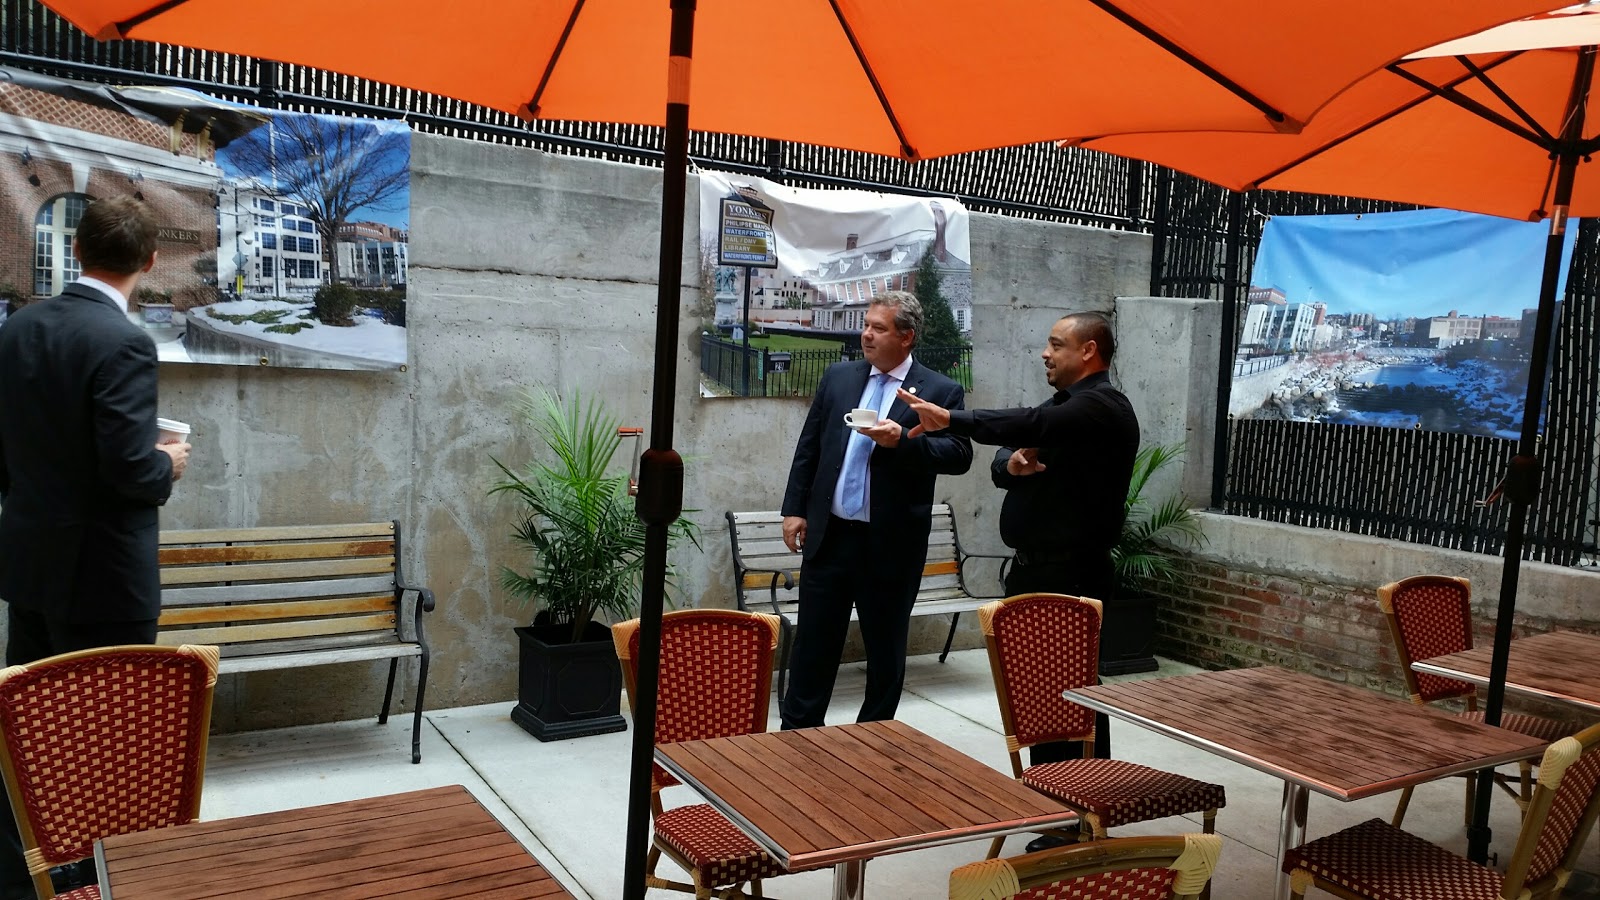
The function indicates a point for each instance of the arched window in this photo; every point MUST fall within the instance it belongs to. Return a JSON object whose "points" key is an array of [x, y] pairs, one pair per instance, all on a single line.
{"points": [[54, 229]]}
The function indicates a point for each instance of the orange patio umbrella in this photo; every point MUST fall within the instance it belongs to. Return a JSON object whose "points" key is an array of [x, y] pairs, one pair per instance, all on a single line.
{"points": [[910, 78], [1499, 122]]}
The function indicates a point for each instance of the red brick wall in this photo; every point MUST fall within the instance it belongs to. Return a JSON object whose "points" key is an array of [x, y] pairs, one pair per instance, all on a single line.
{"points": [[1221, 617], [176, 206], [44, 107]]}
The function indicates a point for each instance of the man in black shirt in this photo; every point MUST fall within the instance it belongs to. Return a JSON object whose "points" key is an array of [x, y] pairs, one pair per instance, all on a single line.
{"points": [[1065, 468]]}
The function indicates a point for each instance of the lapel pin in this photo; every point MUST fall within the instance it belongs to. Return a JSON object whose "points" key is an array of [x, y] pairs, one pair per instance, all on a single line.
{"points": [[912, 389]]}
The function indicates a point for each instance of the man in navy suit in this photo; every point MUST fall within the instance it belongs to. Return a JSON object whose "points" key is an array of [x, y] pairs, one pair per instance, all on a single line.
{"points": [[859, 506], [81, 474]]}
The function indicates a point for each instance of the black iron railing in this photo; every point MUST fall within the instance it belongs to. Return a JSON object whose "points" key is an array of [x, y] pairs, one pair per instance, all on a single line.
{"points": [[795, 373]]}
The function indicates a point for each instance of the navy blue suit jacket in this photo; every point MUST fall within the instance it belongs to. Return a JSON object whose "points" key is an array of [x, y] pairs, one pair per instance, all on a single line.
{"points": [[901, 503]]}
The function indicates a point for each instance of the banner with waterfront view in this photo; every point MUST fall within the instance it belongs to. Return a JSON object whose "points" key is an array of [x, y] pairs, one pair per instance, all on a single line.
{"points": [[284, 235], [1417, 319], [786, 275]]}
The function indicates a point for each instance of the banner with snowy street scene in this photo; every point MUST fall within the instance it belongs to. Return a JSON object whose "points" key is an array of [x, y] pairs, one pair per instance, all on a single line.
{"points": [[283, 236], [1417, 319]]}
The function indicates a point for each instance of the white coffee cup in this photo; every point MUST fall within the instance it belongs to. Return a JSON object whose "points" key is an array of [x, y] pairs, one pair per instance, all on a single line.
{"points": [[861, 417], [171, 431]]}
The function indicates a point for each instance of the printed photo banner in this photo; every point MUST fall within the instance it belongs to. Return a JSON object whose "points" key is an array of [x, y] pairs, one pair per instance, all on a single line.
{"points": [[284, 236], [1418, 319], [788, 274]]}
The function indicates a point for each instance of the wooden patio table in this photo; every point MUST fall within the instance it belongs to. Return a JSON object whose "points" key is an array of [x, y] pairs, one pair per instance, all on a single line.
{"points": [[422, 845], [842, 794], [1315, 734], [1562, 665]]}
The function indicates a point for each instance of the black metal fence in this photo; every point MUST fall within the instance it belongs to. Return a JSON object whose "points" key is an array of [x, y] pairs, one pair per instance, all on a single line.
{"points": [[1035, 181], [1204, 242], [1426, 486], [795, 373]]}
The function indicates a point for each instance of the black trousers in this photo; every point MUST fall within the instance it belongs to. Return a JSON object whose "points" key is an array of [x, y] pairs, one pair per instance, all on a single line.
{"points": [[1091, 578], [848, 571], [32, 637]]}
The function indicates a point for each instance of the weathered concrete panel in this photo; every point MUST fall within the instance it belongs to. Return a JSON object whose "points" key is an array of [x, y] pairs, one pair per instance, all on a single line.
{"points": [[536, 270]]}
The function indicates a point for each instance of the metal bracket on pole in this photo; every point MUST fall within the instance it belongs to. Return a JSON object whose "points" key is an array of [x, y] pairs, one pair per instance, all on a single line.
{"points": [[660, 487]]}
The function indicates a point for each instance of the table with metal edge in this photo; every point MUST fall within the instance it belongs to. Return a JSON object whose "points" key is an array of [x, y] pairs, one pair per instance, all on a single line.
{"points": [[1563, 666], [843, 794], [421, 845], [1314, 734]]}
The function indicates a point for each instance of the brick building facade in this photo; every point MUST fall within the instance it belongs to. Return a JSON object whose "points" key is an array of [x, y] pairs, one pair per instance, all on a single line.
{"points": [[58, 153]]}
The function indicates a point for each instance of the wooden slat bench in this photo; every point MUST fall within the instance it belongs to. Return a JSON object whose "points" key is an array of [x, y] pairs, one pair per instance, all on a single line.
{"points": [[767, 574], [305, 595]]}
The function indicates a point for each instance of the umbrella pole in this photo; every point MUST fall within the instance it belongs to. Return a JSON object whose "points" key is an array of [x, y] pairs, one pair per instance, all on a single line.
{"points": [[661, 468], [1521, 483]]}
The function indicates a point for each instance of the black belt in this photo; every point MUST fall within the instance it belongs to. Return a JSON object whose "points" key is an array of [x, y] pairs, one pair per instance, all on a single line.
{"points": [[835, 523]]}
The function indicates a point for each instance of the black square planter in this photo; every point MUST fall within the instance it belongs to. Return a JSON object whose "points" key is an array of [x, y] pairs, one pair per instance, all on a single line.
{"points": [[1128, 635], [568, 690]]}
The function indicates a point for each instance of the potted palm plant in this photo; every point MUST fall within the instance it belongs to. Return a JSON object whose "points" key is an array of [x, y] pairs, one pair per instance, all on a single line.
{"points": [[586, 548], [1142, 558]]}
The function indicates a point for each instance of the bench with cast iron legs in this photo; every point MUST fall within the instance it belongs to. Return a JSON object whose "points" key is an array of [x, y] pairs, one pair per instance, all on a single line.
{"points": [[767, 574], [286, 597]]}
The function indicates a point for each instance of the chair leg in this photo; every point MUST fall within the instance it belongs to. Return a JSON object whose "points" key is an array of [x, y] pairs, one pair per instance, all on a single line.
{"points": [[785, 638], [994, 847], [388, 692], [416, 720], [1400, 808], [1527, 786], [954, 618], [1208, 824]]}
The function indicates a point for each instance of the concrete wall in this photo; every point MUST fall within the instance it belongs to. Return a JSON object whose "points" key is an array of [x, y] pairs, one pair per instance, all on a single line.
{"points": [[530, 269]]}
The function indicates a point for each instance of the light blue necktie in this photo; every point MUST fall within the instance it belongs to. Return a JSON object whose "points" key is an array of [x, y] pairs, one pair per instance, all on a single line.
{"points": [[856, 455]]}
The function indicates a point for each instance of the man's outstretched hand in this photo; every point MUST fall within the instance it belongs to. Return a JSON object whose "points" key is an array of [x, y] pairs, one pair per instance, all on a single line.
{"points": [[930, 417]]}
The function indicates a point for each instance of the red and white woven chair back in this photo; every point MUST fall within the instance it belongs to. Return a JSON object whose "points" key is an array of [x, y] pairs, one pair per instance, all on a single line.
{"points": [[107, 742], [1573, 796], [1047, 643], [715, 676], [1434, 617]]}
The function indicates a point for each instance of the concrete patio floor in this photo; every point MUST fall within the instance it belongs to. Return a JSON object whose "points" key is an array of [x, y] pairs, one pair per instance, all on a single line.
{"points": [[566, 801]]}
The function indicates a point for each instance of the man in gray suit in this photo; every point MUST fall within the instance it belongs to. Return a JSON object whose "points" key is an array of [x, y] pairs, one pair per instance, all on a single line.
{"points": [[81, 474]]}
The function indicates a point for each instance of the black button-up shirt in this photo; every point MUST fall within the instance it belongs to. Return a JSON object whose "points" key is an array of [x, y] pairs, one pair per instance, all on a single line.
{"points": [[1087, 437]]}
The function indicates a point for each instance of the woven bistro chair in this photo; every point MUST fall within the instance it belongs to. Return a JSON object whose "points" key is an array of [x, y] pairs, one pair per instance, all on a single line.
{"points": [[1431, 615], [715, 678], [1378, 861], [103, 742], [1039, 646], [1135, 868]]}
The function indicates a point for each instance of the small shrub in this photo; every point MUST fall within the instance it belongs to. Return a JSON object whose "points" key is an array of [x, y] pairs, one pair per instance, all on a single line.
{"points": [[289, 328], [334, 304], [149, 295], [390, 304], [194, 296], [260, 316]]}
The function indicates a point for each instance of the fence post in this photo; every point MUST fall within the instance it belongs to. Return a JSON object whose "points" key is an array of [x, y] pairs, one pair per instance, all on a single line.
{"points": [[1230, 310]]}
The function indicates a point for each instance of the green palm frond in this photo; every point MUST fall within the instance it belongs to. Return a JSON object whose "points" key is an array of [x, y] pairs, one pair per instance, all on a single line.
{"points": [[1141, 554], [577, 522]]}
